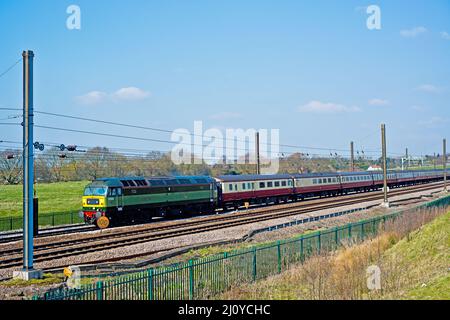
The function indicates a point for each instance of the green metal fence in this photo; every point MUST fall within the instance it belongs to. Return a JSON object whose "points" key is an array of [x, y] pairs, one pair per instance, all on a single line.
{"points": [[45, 220], [205, 278]]}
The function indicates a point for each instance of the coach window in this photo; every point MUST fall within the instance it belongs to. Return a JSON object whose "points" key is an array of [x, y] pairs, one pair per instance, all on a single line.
{"points": [[277, 183], [235, 187], [314, 181], [269, 184], [230, 187], [243, 186]]}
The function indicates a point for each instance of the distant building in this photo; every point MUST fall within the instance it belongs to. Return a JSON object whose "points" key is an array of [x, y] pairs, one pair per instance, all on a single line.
{"points": [[374, 168]]}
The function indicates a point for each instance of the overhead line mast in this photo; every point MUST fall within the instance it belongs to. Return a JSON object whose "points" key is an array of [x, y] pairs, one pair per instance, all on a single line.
{"points": [[28, 272], [383, 147]]}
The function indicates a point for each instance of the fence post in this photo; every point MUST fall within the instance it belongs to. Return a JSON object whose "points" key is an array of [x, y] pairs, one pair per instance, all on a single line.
{"points": [[279, 255], [99, 290], [10, 223], [150, 284], [362, 230], [350, 231], [336, 236], [53, 219], [191, 280], [225, 274], [254, 264], [319, 240], [302, 257], [71, 218]]}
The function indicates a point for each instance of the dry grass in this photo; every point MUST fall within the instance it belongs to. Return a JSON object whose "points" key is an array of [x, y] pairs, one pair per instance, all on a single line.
{"points": [[408, 251]]}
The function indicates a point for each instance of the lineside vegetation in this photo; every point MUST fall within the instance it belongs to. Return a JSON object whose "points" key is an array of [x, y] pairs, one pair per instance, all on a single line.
{"points": [[412, 253]]}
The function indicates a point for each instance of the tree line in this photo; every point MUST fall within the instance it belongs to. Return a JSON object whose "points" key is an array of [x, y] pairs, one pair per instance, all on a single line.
{"points": [[52, 165]]}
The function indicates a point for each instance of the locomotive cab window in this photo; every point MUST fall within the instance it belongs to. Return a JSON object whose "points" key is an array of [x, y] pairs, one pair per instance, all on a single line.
{"points": [[95, 191]]}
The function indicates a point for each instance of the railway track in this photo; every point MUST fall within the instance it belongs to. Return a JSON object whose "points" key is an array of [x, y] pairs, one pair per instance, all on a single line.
{"points": [[61, 249], [47, 232]]}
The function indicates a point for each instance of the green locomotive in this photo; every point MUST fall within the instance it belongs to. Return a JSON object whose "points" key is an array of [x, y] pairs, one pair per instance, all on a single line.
{"points": [[108, 200]]}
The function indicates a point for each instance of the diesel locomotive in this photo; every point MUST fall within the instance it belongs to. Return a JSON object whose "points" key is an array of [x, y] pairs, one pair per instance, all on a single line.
{"points": [[110, 200]]}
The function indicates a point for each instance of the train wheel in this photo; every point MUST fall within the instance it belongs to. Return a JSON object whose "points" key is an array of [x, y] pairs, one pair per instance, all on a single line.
{"points": [[102, 222]]}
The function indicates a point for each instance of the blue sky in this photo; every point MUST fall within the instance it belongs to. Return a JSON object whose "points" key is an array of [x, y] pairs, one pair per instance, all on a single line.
{"points": [[309, 68]]}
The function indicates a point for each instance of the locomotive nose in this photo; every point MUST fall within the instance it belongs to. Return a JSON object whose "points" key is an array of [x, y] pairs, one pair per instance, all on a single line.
{"points": [[93, 201]]}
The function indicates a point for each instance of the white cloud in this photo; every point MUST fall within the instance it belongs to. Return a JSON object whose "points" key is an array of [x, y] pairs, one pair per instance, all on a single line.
{"points": [[123, 94], [434, 121], [418, 108], [226, 115], [93, 97], [445, 35], [326, 107], [378, 102], [130, 94], [414, 32], [429, 88], [361, 8]]}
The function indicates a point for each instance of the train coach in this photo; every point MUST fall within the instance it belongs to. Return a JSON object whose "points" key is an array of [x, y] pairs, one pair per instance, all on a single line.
{"points": [[255, 189], [138, 199]]}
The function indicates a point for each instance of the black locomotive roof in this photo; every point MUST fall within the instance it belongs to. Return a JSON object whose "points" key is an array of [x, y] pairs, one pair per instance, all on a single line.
{"points": [[158, 181]]}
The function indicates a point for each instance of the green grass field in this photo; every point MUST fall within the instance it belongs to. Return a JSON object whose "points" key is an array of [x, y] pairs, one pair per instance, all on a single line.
{"points": [[53, 197]]}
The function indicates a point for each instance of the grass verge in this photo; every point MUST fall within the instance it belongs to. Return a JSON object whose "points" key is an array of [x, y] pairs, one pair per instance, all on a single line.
{"points": [[411, 254]]}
